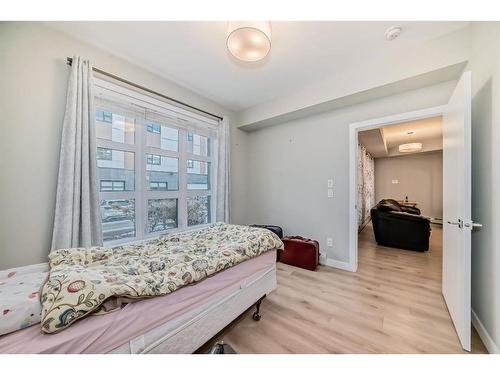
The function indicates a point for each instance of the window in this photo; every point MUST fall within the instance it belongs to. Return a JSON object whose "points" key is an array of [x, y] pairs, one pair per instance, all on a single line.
{"points": [[110, 185], [198, 175], [118, 219], [153, 159], [116, 165], [104, 154], [103, 116], [162, 214], [198, 144], [154, 174], [115, 127], [154, 128], [162, 137], [198, 210], [154, 185], [163, 169]]}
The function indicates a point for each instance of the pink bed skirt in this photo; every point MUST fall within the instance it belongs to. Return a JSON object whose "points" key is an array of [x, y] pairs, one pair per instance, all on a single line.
{"points": [[101, 334]]}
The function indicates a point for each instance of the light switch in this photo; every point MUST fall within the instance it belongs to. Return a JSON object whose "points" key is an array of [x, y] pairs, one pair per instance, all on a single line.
{"points": [[330, 193], [329, 242], [330, 183]]}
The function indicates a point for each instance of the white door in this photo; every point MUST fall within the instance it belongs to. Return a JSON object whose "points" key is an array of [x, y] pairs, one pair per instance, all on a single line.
{"points": [[457, 224]]}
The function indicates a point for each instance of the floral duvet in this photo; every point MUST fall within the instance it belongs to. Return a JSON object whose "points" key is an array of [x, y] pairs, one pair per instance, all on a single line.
{"points": [[97, 279]]}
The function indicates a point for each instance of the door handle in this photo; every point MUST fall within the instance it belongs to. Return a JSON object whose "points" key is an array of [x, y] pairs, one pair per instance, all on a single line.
{"points": [[474, 225], [460, 223]]}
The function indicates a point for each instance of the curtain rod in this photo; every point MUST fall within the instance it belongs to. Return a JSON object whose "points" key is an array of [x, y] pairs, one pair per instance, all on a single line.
{"points": [[97, 70]]}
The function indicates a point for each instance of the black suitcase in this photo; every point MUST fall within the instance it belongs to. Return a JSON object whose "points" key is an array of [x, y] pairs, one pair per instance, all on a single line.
{"points": [[276, 230], [273, 228]]}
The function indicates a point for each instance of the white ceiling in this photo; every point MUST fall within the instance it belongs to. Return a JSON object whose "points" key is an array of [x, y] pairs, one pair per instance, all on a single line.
{"points": [[194, 55], [374, 142], [384, 142]]}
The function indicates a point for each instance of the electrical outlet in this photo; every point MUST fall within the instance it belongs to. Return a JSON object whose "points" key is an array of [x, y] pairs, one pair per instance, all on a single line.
{"points": [[330, 183], [330, 193], [395, 181], [329, 242]]}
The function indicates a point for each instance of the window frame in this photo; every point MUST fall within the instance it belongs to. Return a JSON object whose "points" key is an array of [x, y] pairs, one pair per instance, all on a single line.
{"points": [[204, 126]]}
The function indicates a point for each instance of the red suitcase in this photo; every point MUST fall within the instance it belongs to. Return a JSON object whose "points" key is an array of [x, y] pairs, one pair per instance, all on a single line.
{"points": [[300, 252]]}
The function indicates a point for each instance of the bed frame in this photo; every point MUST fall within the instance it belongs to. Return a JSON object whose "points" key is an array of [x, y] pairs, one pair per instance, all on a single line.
{"points": [[211, 319]]}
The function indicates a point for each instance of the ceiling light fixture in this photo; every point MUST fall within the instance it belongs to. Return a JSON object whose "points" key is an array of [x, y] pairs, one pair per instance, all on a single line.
{"points": [[393, 32], [249, 41], [410, 147]]}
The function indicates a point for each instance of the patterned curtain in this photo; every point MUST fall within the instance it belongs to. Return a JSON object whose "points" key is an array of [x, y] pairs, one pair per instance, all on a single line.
{"points": [[366, 185]]}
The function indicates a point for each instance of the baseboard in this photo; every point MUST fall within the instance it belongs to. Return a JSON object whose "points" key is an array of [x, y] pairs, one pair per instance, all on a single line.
{"points": [[338, 264], [485, 337]]}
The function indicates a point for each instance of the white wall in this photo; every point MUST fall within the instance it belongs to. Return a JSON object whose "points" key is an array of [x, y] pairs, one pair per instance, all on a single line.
{"points": [[289, 165], [420, 177], [33, 74], [378, 71], [485, 67]]}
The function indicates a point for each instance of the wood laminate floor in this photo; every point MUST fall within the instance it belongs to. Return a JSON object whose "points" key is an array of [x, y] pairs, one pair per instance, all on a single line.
{"points": [[393, 304]]}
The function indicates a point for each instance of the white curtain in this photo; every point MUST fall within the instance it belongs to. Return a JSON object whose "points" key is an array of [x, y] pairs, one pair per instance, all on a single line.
{"points": [[366, 184], [77, 221], [223, 189]]}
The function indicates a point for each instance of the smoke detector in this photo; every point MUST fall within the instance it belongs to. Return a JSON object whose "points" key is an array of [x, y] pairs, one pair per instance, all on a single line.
{"points": [[393, 32]]}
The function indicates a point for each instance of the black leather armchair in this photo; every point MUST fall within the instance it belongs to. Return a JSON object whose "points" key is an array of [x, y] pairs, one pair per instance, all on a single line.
{"points": [[401, 207], [400, 226]]}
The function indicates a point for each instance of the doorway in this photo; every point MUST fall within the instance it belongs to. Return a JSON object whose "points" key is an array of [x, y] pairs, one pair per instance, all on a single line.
{"points": [[355, 128], [457, 220]]}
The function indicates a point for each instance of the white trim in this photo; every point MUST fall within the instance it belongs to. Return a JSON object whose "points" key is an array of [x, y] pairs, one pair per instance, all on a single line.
{"points": [[485, 336], [354, 128], [346, 266]]}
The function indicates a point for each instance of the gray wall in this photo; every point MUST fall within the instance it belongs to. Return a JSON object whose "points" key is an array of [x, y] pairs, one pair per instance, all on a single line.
{"points": [[33, 74], [485, 67], [420, 177], [289, 165]]}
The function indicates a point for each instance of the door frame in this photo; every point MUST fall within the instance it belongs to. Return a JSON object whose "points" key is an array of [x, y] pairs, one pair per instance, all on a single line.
{"points": [[354, 128]]}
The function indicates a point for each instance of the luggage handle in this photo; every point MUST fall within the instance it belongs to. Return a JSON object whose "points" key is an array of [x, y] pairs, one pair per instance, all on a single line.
{"points": [[299, 238]]}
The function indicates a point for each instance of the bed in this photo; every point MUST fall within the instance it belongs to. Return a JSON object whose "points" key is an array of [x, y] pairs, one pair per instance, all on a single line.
{"points": [[178, 322]]}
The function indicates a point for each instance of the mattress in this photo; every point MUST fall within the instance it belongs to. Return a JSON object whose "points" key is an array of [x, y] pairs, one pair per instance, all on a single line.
{"points": [[19, 297], [144, 320]]}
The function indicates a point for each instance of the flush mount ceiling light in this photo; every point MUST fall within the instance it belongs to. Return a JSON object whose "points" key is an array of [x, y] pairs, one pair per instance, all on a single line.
{"points": [[249, 41], [410, 147], [393, 32]]}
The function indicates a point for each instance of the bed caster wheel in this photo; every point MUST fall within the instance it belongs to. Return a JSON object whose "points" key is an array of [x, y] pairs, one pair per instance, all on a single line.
{"points": [[256, 316]]}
